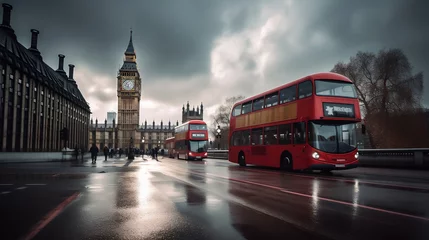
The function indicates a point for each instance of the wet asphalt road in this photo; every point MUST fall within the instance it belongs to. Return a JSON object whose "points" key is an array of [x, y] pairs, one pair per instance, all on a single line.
{"points": [[211, 199]]}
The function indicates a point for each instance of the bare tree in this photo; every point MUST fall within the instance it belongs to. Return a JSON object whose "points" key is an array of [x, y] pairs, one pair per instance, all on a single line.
{"points": [[385, 86], [221, 118]]}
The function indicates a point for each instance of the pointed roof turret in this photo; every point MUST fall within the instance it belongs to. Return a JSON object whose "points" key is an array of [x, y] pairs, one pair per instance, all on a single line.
{"points": [[130, 48]]}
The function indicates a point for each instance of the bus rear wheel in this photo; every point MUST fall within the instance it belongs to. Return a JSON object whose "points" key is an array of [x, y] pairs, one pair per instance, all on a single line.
{"points": [[241, 159], [286, 162]]}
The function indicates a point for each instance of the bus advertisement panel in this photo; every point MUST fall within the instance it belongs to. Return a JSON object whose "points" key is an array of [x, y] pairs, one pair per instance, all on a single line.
{"points": [[307, 124], [191, 140]]}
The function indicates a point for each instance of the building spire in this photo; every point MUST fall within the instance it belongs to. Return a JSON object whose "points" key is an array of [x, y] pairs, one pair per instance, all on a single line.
{"points": [[130, 48]]}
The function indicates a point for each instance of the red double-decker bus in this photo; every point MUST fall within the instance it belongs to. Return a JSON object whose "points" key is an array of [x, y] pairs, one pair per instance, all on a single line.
{"points": [[191, 140], [307, 124], [169, 144]]}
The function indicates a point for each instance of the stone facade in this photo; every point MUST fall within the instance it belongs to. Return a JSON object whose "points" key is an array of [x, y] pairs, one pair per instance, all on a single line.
{"points": [[37, 101], [148, 136], [126, 131], [193, 114]]}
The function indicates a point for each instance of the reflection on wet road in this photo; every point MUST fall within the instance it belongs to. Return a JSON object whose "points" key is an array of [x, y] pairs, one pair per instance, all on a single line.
{"points": [[212, 199]]}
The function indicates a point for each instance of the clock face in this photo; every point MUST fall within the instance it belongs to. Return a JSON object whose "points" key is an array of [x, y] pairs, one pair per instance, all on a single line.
{"points": [[128, 84]]}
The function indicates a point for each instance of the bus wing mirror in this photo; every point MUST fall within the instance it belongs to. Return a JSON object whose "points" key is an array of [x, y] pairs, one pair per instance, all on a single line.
{"points": [[363, 129]]}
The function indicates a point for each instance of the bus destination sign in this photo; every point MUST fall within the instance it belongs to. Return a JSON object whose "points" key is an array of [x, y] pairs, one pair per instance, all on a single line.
{"points": [[338, 110], [198, 135]]}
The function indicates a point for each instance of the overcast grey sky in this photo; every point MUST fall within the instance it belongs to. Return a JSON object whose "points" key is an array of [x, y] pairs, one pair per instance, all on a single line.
{"points": [[206, 50]]}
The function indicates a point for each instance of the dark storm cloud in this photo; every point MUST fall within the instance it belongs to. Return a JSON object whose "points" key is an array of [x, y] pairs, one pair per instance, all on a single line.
{"points": [[172, 38], [353, 26], [373, 25]]}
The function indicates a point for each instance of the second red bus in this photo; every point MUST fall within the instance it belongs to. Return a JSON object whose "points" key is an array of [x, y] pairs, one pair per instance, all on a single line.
{"points": [[191, 140]]}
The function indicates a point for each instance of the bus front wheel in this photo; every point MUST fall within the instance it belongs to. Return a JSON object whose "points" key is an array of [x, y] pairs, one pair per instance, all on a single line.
{"points": [[286, 162], [241, 159]]}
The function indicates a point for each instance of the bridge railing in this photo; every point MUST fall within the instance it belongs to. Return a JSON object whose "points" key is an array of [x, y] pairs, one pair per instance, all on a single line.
{"points": [[398, 158]]}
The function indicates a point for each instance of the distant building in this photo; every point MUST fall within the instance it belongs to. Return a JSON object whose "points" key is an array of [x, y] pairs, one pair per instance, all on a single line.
{"points": [[126, 131], [111, 116], [193, 114], [36, 100]]}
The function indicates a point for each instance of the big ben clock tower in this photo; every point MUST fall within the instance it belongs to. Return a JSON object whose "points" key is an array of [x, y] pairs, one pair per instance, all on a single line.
{"points": [[129, 94]]}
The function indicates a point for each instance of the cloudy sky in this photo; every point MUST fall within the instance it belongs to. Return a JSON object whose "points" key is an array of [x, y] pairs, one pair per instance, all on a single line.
{"points": [[207, 50]]}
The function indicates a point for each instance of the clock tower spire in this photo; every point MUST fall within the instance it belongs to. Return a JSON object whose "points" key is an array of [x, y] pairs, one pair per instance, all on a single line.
{"points": [[129, 95]]}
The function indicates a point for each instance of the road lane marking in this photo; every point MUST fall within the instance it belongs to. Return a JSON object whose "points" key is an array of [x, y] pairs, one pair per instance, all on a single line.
{"points": [[321, 198], [311, 196], [340, 179], [5, 192], [173, 173], [49, 217], [20, 188], [35, 184]]}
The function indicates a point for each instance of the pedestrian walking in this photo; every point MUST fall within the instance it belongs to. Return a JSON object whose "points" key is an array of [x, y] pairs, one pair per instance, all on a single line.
{"points": [[94, 153], [106, 152], [156, 153]]}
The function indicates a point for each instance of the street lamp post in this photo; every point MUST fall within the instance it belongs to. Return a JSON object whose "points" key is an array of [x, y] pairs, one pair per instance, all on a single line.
{"points": [[219, 136], [130, 150]]}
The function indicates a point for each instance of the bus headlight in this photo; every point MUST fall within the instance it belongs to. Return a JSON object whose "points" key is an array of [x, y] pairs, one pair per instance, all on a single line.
{"points": [[357, 155], [205, 154], [315, 155]]}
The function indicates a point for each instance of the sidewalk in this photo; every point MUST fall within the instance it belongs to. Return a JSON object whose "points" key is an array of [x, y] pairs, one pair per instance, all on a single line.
{"points": [[28, 157]]}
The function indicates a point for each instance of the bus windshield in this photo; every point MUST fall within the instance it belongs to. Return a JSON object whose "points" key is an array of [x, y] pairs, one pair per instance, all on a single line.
{"points": [[335, 88], [332, 137], [197, 127], [198, 146]]}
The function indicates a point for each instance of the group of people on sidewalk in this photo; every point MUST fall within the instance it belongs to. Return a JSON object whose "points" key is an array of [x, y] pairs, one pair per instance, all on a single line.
{"points": [[110, 152]]}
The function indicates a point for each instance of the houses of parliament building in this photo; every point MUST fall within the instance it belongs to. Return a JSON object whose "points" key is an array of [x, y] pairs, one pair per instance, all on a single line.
{"points": [[127, 132], [37, 102]]}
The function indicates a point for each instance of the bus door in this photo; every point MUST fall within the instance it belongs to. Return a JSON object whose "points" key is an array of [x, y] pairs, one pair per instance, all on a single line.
{"points": [[299, 145], [257, 149]]}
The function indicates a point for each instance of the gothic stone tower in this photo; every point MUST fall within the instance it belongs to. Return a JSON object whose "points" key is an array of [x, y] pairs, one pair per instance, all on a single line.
{"points": [[129, 94], [193, 114]]}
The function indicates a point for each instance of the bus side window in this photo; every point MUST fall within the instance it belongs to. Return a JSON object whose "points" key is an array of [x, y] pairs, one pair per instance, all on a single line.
{"points": [[247, 108], [288, 94], [299, 133], [257, 136], [245, 135], [258, 104], [236, 111], [285, 134], [305, 89], [272, 99], [236, 138], [270, 137]]}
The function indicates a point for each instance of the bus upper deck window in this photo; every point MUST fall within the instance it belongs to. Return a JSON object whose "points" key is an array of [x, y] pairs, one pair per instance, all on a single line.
{"points": [[305, 89], [236, 111], [272, 99], [288, 94], [258, 104]]}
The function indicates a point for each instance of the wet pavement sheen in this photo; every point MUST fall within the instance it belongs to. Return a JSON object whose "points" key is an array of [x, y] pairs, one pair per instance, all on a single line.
{"points": [[213, 199]]}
